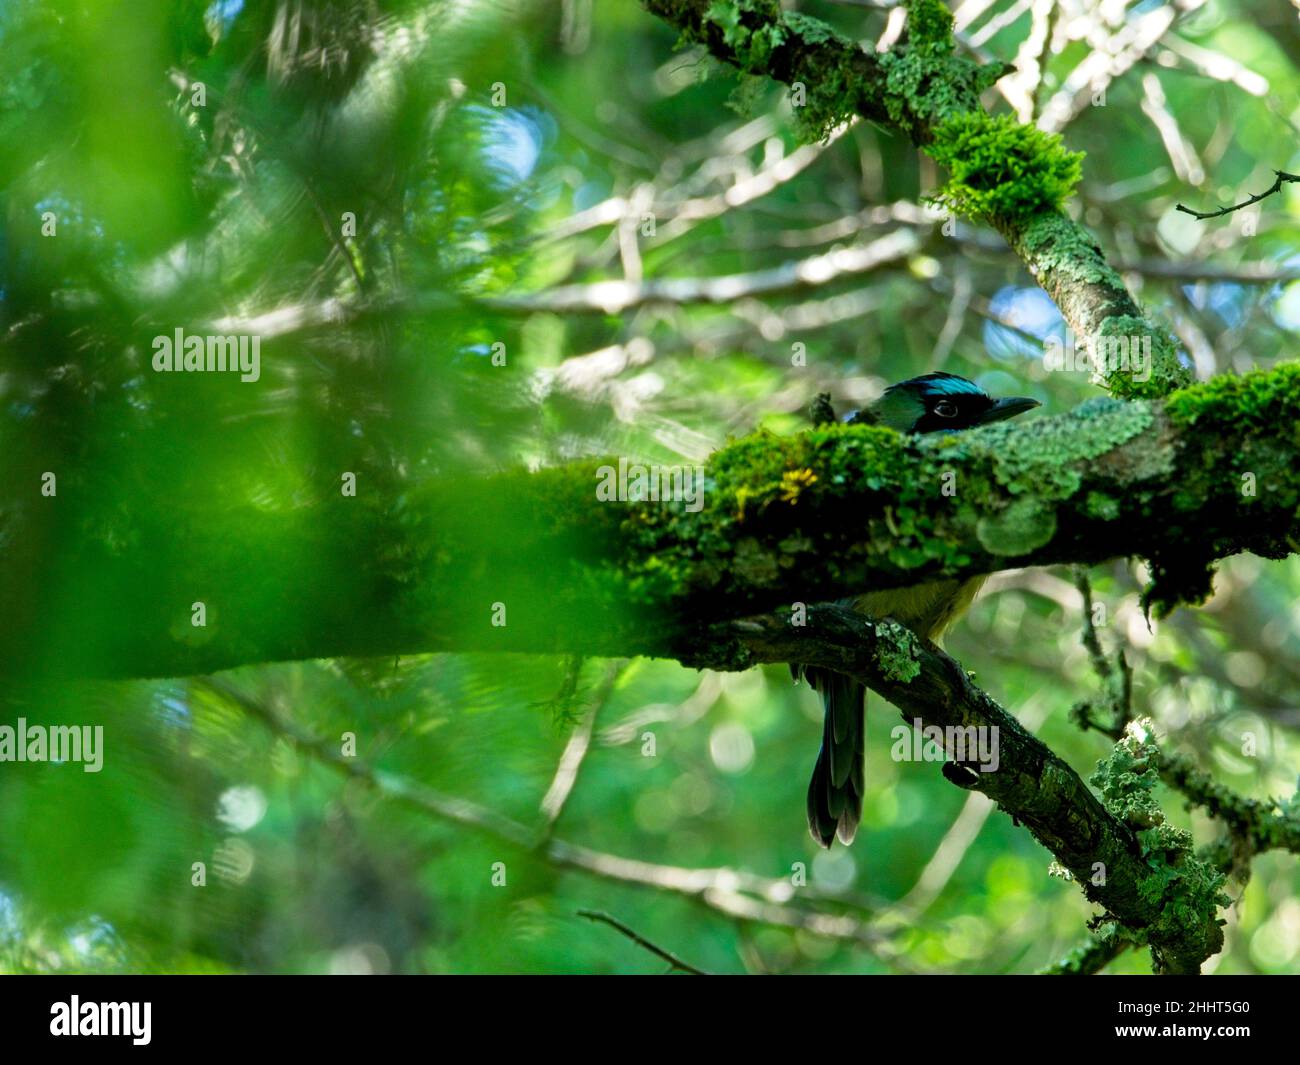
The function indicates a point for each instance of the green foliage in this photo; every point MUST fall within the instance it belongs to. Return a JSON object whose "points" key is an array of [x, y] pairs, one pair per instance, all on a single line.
{"points": [[1001, 168], [172, 213]]}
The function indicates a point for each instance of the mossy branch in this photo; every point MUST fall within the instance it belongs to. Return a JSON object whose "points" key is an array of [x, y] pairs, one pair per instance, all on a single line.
{"points": [[1117, 848], [1257, 825], [1091, 956], [538, 562], [1010, 175]]}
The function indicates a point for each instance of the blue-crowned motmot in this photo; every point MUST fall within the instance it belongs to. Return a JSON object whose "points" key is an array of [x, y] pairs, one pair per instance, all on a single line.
{"points": [[933, 403]]}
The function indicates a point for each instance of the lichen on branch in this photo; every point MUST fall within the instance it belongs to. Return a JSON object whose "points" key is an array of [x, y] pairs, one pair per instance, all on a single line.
{"points": [[1151, 889], [1183, 891], [854, 507], [1007, 174], [911, 87]]}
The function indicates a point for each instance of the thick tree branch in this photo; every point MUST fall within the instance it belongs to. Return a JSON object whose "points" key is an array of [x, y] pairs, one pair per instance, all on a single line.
{"points": [[565, 560]]}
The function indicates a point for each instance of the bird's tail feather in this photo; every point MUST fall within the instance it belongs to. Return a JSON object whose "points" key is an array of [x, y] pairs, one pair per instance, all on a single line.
{"points": [[836, 789]]}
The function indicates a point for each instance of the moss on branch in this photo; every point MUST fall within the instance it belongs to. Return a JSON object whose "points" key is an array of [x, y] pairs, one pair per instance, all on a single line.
{"points": [[912, 87], [871, 509], [1001, 168], [833, 511], [1008, 174], [1118, 848]]}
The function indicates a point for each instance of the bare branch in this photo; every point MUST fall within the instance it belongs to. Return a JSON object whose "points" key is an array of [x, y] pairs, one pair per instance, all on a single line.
{"points": [[735, 893], [566, 773], [1212, 64], [1116, 680], [618, 297], [1111, 57], [1181, 152], [1283, 178], [672, 959]]}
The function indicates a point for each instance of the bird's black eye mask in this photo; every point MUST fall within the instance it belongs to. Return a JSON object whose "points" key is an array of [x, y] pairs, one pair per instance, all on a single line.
{"points": [[941, 402], [952, 412]]}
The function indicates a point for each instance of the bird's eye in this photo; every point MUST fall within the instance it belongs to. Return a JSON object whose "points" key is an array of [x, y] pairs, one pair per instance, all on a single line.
{"points": [[945, 409]]}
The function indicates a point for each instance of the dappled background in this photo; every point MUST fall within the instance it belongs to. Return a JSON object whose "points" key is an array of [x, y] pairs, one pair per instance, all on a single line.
{"points": [[574, 238]]}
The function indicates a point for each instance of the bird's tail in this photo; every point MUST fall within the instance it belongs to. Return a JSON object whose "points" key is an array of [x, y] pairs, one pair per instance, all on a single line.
{"points": [[836, 789]]}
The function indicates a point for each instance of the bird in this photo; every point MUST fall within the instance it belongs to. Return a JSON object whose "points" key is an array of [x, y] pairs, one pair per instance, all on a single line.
{"points": [[936, 402]]}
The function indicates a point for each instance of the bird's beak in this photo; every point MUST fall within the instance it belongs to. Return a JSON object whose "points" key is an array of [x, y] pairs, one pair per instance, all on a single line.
{"points": [[1008, 408]]}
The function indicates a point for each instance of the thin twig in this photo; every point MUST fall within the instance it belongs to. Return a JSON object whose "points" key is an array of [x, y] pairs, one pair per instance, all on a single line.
{"points": [[575, 751], [1116, 683], [733, 892], [1044, 57], [640, 940], [1090, 639], [1181, 152], [619, 297], [1261, 824], [1282, 179]]}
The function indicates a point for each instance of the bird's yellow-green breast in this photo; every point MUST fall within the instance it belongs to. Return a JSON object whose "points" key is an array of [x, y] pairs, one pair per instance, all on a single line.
{"points": [[927, 609]]}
